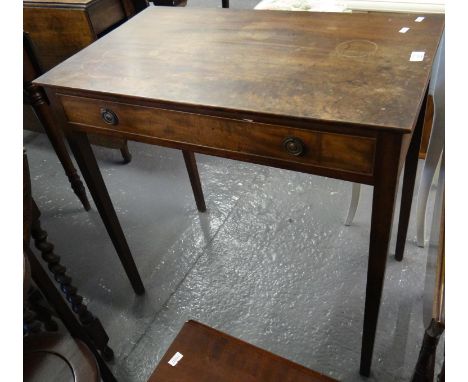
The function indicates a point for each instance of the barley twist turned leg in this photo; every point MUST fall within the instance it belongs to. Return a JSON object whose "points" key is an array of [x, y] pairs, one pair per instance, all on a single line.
{"points": [[90, 323], [38, 100]]}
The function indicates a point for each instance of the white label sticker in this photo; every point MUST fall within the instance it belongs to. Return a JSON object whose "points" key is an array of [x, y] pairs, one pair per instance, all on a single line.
{"points": [[419, 19], [417, 56], [175, 359], [404, 30]]}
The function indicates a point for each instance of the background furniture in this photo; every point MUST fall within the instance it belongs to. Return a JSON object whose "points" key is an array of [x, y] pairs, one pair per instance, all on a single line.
{"points": [[53, 357], [59, 29], [240, 113], [436, 143], [434, 292], [210, 355], [36, 98], [49, 357], [73, 312]]}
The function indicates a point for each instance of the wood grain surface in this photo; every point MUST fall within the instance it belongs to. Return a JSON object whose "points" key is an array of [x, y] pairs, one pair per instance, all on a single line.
{"points": [[212, 356], [57, 33], [331, 94], [339, 151], [104, 14], [334, 67], [60, 29]]}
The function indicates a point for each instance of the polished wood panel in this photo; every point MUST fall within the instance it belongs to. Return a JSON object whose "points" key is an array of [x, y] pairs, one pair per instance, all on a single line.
{"points": [[104, 14], [59, 29], [349, 68], [346, 152], [67, 30], [210, 355]]}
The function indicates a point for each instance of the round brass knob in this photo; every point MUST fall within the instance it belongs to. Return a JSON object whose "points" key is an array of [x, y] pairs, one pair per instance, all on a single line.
{"points": [[109, 117], [293, 146]]}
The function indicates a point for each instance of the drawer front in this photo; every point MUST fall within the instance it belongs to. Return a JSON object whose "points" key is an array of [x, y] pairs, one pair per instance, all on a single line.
{"points": [[324, 149]]}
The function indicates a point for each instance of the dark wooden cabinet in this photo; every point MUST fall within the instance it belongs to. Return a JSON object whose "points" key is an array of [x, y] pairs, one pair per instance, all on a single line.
{"points": [[61, 28], [58, 29]]}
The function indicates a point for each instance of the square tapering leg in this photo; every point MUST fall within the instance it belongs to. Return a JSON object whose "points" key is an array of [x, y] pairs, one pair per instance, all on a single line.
{"points": [[409, 178], [191, 164], [383, 204], [89, 168]]}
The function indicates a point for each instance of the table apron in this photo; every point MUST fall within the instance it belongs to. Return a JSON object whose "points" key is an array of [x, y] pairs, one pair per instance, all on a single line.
{"points": [[342, 156]]}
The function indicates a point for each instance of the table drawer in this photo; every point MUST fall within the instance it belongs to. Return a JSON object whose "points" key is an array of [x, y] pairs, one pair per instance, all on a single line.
{"points": [[324, 149]]}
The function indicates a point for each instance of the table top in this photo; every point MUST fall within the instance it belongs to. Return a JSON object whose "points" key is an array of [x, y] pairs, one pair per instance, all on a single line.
{"points": [[340, 68], [210, 355]]}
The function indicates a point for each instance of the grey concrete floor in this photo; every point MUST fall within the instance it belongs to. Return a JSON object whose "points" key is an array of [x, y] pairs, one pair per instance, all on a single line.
{"points": [[270, 262]]}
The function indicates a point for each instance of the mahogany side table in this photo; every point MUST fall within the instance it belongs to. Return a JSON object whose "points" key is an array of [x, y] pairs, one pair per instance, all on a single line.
{"points": [[332, 94]]}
